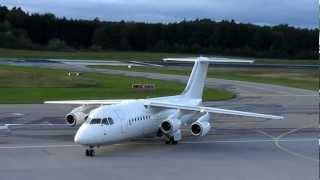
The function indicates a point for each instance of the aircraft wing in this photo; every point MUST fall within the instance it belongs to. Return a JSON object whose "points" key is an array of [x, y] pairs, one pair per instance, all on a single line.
{"points": [[212, 110], [89, 102]]}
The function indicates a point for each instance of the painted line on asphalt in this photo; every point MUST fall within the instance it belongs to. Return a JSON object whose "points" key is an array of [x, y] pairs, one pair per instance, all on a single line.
{"points": [[17, 114], [278, 140], [277, 95], [40, 146], [157, 142], [256, 141]]}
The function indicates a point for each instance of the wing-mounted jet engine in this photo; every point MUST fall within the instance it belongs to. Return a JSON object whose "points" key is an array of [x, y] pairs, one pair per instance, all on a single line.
{"points": [[78, 115], [171, 128], [170, 125], [202, 126]]}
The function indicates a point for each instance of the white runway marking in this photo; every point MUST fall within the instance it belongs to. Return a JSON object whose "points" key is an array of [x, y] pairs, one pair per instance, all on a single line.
{"points": [[276, 95], [280, 138], [17, 114], [157, 142], [40, 146], [37, 125], [256, 141]]}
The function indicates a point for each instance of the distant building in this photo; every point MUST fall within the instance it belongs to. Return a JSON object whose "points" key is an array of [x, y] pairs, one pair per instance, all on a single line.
{"points": [[144, 87]]}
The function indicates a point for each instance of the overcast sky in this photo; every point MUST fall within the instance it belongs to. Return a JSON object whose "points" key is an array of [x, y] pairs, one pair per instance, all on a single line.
{"points": [[302, 13]]}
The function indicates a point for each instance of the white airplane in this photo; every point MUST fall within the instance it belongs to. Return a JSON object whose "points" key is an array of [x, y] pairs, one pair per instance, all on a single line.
{"points": [[106, 122]]}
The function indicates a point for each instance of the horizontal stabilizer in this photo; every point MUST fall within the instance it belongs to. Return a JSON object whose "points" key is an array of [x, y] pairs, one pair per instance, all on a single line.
{"points": [[210, 60]]}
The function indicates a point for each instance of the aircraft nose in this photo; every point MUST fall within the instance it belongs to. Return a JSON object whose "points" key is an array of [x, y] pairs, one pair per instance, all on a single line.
{"points": [[82, 136], [78, 139], [87, 135]]}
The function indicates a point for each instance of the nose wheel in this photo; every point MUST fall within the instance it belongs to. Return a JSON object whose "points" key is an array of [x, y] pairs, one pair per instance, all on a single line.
{"points": [[90, 152]]}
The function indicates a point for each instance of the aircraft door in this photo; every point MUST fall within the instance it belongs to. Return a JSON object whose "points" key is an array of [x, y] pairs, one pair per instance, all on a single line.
{"points": [[105, 125], [122, 118]]}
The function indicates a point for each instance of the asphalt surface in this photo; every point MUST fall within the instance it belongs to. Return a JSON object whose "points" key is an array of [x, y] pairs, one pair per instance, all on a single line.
{"points": [[237, 148]]}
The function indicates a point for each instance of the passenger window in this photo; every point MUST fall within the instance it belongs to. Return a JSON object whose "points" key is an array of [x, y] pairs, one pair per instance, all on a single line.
{"points": [[95, 121], [105, 121], [110, 121]]}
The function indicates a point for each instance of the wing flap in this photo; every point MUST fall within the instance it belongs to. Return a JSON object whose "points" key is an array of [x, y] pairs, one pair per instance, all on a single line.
{"points": [[213, 110]]}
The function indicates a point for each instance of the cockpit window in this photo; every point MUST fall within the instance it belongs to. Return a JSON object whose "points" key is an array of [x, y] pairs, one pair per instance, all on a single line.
{"points": [[110, 120], [105, 121], [95, 121]]}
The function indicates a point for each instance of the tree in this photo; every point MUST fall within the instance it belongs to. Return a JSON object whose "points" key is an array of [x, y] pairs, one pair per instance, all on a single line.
{"points": [[57, 44], [196, 36]]}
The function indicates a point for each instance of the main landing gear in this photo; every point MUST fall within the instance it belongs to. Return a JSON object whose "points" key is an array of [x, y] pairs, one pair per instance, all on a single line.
{"points": [[90, 152], [171, 140]]}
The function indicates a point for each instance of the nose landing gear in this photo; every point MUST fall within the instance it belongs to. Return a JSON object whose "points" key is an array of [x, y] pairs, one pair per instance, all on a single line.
{"points": [[90, 152]]}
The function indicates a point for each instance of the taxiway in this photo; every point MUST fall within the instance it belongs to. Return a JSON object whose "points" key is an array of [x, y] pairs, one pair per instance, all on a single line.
{"points": [[238, 148]]}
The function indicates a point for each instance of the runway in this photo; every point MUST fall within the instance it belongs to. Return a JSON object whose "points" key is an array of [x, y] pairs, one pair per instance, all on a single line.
{"points": [[237, 148]]}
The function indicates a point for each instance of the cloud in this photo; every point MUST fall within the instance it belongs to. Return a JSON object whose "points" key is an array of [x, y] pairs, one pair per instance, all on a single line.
{"points": [[294, 12]]}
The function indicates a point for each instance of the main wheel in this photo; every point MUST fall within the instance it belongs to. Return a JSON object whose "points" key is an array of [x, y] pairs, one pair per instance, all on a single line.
{"points": [[92, 152], [173, 142], [159, 133]]}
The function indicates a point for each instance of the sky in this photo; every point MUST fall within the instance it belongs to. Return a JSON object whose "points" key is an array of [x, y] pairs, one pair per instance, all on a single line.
{"points": [[299, 13]]}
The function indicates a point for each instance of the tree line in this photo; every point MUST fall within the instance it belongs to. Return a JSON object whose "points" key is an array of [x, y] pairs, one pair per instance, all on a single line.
{"points": [[19, 29]]}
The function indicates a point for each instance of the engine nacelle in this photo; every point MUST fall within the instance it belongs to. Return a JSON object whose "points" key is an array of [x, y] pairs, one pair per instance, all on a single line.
{"points": [[171, 125], [78, 115], [76, 118], [202, 126]]}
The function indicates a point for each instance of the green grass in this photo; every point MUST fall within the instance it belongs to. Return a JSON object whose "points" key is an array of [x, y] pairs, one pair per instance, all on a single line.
{"points": [[91, 55], [116, 55], [305, 79], [35, 85], [287, 61]]}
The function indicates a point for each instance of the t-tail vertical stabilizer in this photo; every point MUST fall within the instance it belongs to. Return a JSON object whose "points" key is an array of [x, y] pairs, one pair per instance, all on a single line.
{"points": [[195, 86]]}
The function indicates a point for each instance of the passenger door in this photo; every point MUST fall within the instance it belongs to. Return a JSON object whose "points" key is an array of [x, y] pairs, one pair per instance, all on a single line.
{"points": [[123, 120], [105, 125]]}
